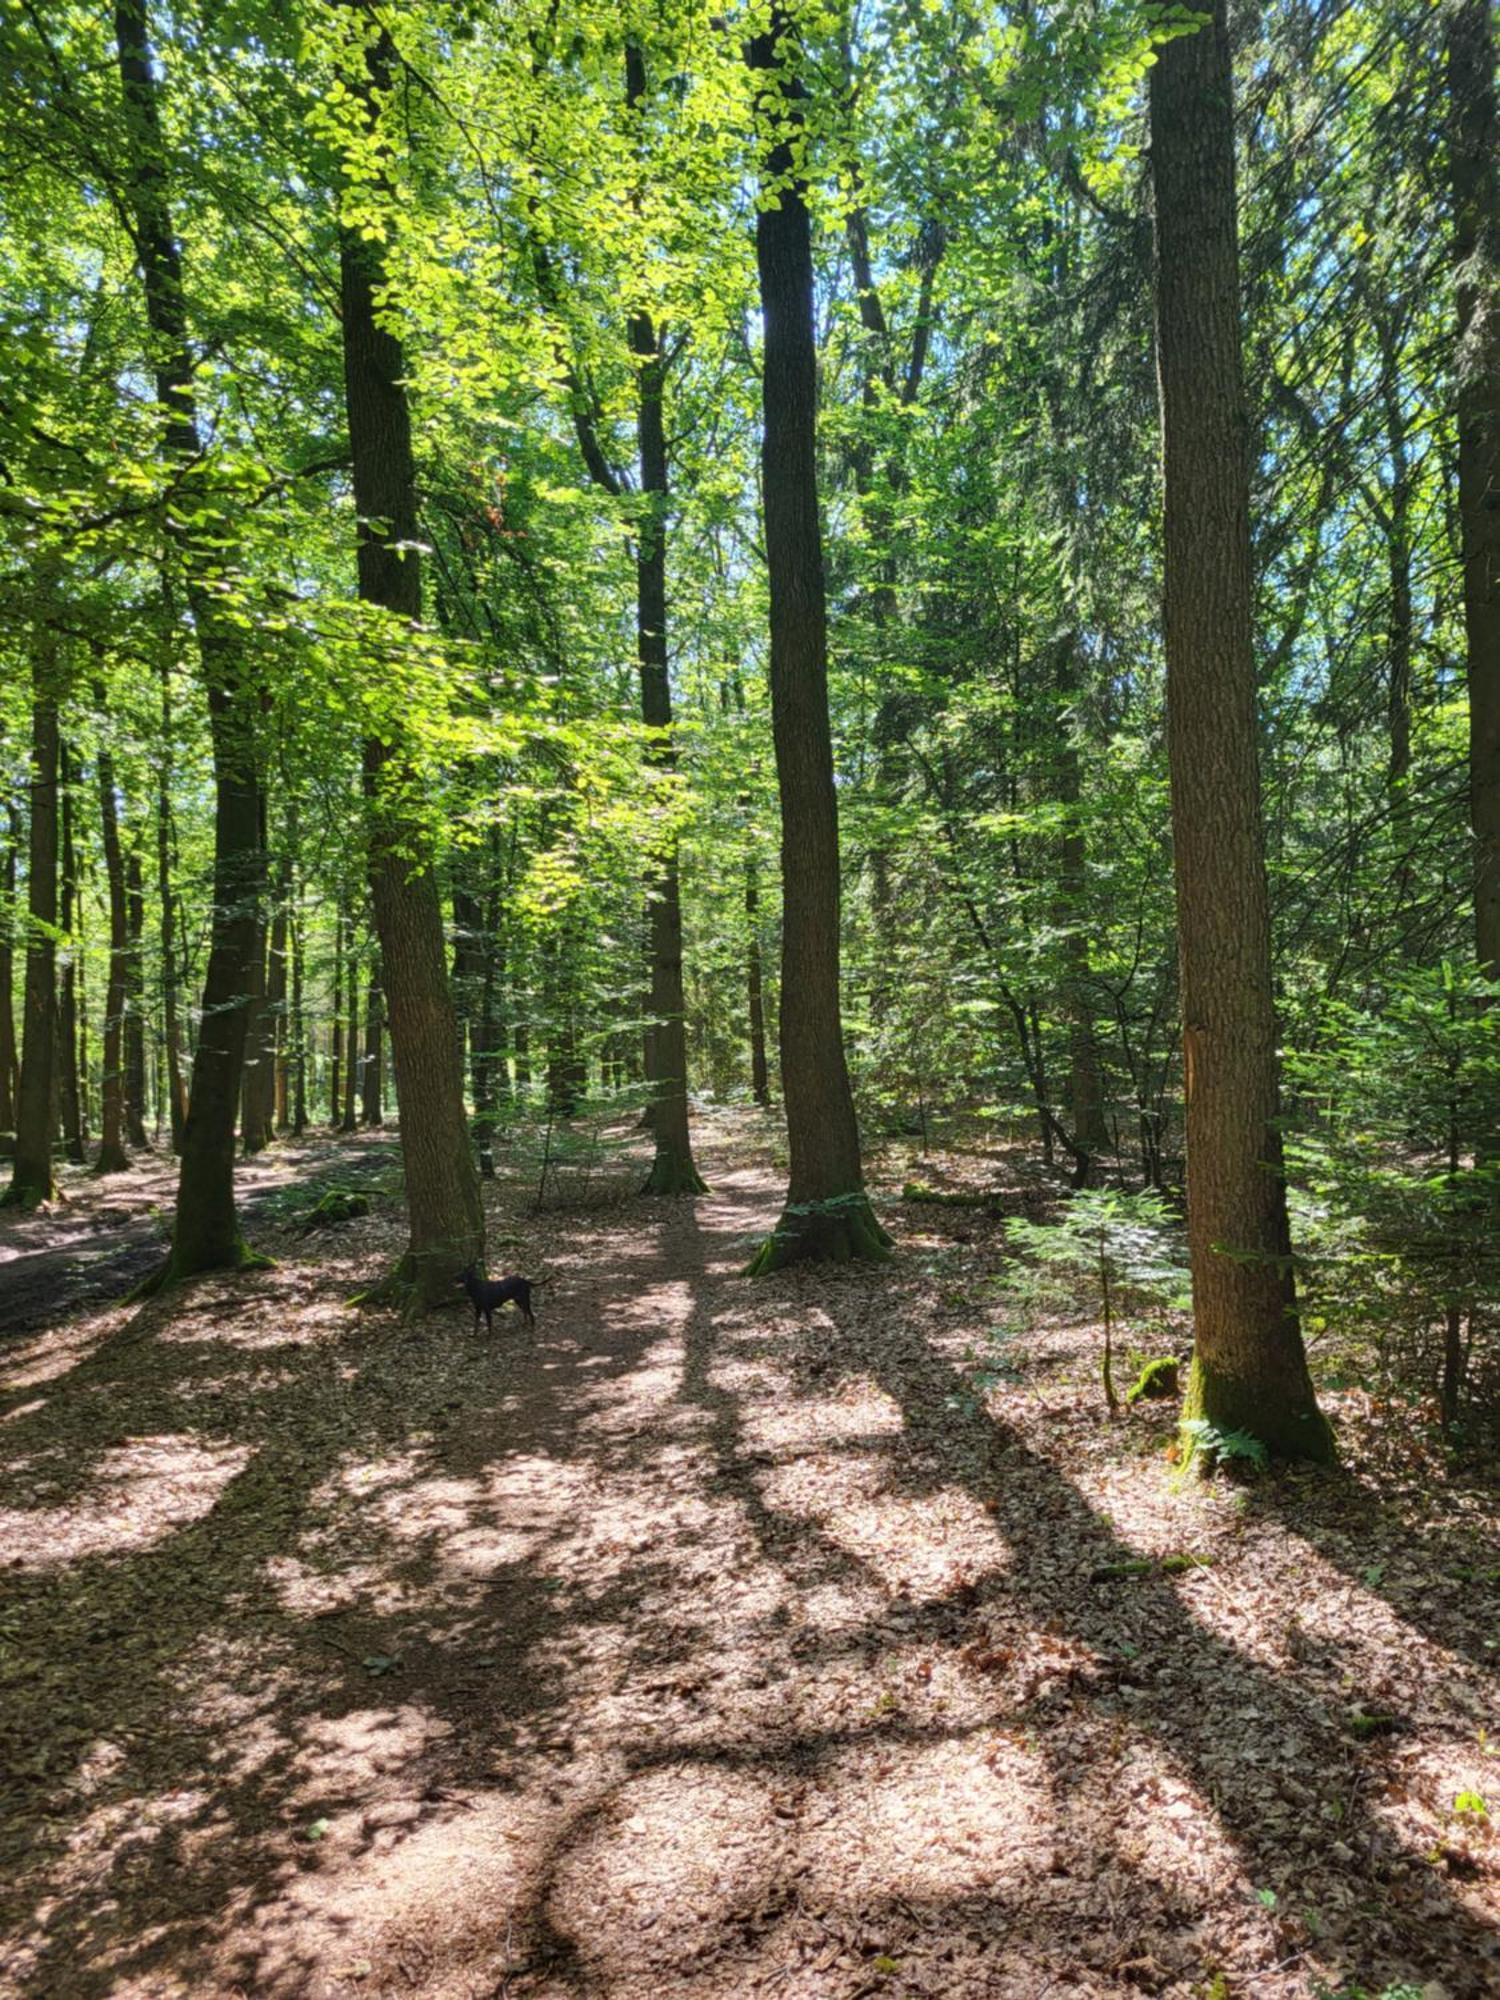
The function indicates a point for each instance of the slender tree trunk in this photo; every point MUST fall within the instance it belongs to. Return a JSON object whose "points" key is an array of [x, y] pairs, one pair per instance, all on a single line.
{"points": [[1085, 1089], [255, 1118], [274, 1109], [760, 1075], [370, 1109], [673, 1170], [135, 1012], [348, 1122], [70, 1101], [1249, 1370], [206, 1234], [113, 1158], [473, 974], [31, 1172], [170, 1023], [336, 1035], [9, 1076], [827, 1213], [299, 1022], [1474, 138], [442, 1187]]}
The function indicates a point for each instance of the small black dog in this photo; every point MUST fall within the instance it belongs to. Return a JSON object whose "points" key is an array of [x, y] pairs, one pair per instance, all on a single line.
{"points": [[487, 1293]]}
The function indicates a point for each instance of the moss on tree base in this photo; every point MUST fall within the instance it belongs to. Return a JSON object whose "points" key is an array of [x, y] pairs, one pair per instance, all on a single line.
{"points": [[841, 1231], [27, 1195], [673, 1173], [174, 1270], [416, 1285], [1286, 1419]]}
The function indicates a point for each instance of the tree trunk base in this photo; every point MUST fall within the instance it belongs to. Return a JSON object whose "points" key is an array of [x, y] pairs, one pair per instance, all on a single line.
{"points": [[112, 1160], [415, 1285], [177, 1270], [841, 1231], [673, 1173], [1286, 1420], [28, 1195]]}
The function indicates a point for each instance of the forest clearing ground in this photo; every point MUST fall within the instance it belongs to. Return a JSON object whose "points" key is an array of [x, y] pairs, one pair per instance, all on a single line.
{"points": [[721, 1639]]}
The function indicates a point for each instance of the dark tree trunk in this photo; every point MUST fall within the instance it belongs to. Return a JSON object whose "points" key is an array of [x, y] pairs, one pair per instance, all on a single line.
{"points": [[1249, 1370], [135, 1011], [672, 1170], [9, 1076], [336, 1028], [113, 1158], [1474, 140], [31, 1172], [170, 1024], [206, 1234], [69, 1096], [827, 1211], [258, 1081], [442, 1187]]}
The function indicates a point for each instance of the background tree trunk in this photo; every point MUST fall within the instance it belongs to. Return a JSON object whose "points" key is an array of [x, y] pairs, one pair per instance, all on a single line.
{"points": [[442, 1187], [167, 914], [135, 1012], [1249, 1371], [113, 1158], [827, 1211], [206, 1234], [9, 926], [31, 1171], [1474, 136], [69, 1095]]}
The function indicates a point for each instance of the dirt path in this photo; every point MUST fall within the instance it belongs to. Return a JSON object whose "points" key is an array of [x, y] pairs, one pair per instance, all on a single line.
{"points": [[723, 1641]]}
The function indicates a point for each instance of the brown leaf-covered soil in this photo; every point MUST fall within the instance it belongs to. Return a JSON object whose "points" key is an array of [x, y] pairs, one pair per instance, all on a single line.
{"points": [[722, 1639]]}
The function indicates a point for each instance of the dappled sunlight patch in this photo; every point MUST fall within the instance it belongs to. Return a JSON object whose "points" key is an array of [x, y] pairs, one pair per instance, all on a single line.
{"points": [[859, 1411], [52, 1355], [952, 1817], [667, 1872], [339, 1757], [138, 1492]]}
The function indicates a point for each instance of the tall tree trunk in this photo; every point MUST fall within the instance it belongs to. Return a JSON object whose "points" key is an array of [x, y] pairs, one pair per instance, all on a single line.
{"points": [[672, 1170], [827, 1213], [8, 927], [760, 1075], [69, 1097], [442, 1187], [336, 1031], [1474, 137], [472, 969], [370, 1108], [348, 1122], [166, 897], [299, 1021], [1249, 1370], [1085, 1088], [274, 1107], [206, 1234], [113, 1158], [31, 1171], [135, 1011], [255, 1119]]}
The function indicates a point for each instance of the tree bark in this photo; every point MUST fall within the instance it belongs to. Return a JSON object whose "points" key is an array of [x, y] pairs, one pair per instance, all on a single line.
{"points": [[1249, 1369], [827, 1212], [1473, 139], [135, 1012], [442, 1187], [9, 1077], [69, 1095], [672, 1170], [112, 1159], [370, 1109], [349, 1122], [170, 1023], [760, 1075], [206, 1234], [31, 1171]]}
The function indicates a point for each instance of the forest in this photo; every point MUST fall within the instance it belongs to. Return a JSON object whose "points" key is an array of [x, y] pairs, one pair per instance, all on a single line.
{"points": [[750, 999]]}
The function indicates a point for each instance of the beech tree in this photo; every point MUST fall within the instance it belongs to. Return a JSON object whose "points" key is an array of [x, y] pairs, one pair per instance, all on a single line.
{"points": [[827, 1212]]}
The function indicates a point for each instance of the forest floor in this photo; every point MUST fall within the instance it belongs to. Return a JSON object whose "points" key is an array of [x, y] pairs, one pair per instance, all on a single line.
{"points": [[720, 1639]]}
